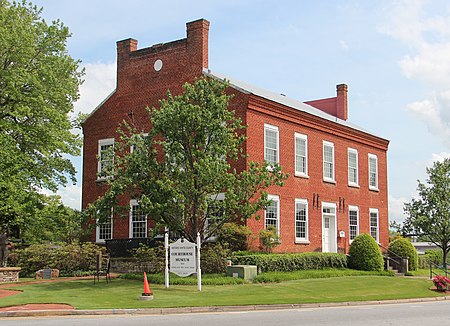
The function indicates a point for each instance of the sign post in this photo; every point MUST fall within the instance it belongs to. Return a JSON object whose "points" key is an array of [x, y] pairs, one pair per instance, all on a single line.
{"points": [[166, 246], [199, 270]]}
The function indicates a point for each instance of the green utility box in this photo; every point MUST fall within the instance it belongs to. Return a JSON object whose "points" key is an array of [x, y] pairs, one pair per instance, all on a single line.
{"points": [[247, 272]]}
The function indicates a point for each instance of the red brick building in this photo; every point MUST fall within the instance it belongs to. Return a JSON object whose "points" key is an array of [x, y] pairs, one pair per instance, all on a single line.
{"points": [[338, 171]]}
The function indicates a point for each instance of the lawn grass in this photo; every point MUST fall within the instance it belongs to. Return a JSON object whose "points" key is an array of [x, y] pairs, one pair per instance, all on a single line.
{"points": [[123, 293], [266, 277]]}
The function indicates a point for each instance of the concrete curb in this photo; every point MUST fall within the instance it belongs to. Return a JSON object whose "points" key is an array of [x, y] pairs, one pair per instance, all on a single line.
{"points": [[208, 309]]}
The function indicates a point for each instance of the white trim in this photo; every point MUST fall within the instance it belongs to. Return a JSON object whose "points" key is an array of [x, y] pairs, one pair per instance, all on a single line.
{"points": [[374, 210], [373, 156], [274, 129], [305, 138], [326, 178], [102, 142], [306, 238], [140, 135], [351, 183], [134, 202], [353, 208], [333, 234], [274, 198]]}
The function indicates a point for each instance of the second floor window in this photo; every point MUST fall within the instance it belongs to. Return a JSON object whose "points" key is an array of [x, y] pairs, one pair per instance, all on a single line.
{"points": [[105, 157], [328, 161], [271, 152], [373, 172], [352, 167], [301, 155]]}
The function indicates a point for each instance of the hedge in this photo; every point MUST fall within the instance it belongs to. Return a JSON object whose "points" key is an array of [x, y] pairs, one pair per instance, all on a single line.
{"points": [[70, 259], [365, 254], [292, 262]]}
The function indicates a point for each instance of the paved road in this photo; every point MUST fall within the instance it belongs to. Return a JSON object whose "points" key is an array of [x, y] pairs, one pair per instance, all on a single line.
{"points": [[410, 314]]}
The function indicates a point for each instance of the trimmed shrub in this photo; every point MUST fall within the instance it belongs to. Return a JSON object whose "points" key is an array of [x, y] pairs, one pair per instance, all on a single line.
{"points": [[70, 259], [292, 262], [269, 238], [365, 254], [233, 236], [404, 248], [214, 259]]}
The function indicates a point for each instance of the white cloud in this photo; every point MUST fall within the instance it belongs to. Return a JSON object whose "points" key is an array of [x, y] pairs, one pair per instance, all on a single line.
{"points": [[427, 36], [100, 81], [437, 157], [396, 208]]}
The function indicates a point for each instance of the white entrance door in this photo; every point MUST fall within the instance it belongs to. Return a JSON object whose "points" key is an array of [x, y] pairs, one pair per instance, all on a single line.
{"points": [[329, 237], [326, 234]]}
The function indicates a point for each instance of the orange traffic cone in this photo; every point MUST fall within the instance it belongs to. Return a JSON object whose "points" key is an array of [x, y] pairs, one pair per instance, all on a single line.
{"points": [[147, 294]]}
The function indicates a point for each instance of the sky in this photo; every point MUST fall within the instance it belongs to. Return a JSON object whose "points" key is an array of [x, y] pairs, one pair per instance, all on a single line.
{"points": [[393, 55]]}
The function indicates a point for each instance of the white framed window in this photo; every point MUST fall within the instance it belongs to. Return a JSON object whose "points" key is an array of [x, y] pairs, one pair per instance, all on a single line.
{"points": [[272, 213], [353, 179], [301, 221], [353, 222], [301, 155], [271, 144], [138, 221], [105, 157], [328, 161], [139, 138], [215, 215], [373, 172], [104, 230], [374, 224]]}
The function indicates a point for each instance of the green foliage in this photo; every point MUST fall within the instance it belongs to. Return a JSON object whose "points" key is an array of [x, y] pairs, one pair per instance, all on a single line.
{"points": [[365, 254], [154, 258], [292, 262], [233, 236], [214, 258], [38, 84], [70, 259], [433, 256], [195, 188], [269, 238], [429, 216], [404, 248]]}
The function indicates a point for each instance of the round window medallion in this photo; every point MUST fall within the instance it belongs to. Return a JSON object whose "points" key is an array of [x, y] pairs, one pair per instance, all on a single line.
{"points": [[158, 65]]}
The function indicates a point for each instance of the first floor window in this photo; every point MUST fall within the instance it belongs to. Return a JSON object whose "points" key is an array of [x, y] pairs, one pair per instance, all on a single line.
{"points": [[301, 220], [104, 230], [272, 213], [374, 226], [353, 222], [138, 221]]}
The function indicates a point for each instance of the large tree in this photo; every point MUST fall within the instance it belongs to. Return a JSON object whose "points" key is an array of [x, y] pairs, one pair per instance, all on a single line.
{"points": [[38, 84], [183, 171], [429, 215]]}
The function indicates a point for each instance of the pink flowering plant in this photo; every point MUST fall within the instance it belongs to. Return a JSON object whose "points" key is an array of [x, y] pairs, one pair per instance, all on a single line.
{"points": [[441, 283]]}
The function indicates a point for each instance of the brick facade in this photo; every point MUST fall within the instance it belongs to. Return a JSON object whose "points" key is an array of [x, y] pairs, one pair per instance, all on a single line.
{"points": [[145, 75]]}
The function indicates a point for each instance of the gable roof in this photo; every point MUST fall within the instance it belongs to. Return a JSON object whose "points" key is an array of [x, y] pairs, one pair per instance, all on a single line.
{"points": [[284, 100]]}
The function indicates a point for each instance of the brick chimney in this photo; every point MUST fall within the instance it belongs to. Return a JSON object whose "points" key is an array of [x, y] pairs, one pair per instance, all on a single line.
{"points": [[197, 42], [124, 48], [341, 101]]}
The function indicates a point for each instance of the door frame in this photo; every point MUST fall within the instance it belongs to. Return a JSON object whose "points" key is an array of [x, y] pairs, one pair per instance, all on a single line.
{"points": [[332, 238]]}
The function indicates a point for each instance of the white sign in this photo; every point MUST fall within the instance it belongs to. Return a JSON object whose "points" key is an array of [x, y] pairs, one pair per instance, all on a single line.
{"points": [[182, 258]]}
